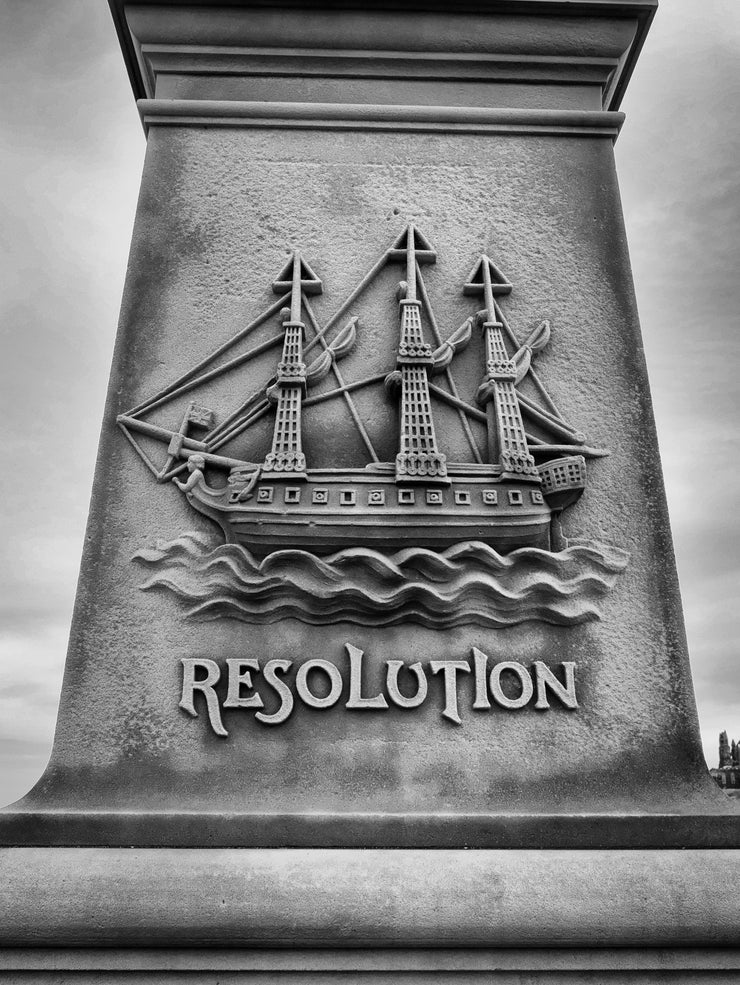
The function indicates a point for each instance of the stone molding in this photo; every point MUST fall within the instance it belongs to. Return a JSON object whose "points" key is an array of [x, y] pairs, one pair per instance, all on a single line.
{"points": [[591, 42], [309, 898], [161, 59], [460, 966], [432, 119], [444, 831]]}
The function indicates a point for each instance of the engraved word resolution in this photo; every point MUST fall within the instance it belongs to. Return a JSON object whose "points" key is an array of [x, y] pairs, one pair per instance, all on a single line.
{"points": [[320, 684]]}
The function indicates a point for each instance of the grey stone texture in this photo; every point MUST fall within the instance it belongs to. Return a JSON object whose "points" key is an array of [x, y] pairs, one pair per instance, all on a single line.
{"points": [[350, 898], [295, 916], [271, 127], [219, 207]]}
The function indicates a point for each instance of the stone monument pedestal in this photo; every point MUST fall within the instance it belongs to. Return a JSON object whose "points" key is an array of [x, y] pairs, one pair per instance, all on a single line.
{"points": [[390, 681], [233, 915]]}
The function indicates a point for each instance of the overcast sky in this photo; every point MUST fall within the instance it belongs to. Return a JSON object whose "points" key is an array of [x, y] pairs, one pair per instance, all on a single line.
{"points": [[72, 151]]}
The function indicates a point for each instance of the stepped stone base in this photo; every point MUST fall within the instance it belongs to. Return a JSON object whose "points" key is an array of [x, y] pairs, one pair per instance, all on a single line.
{"points": [[375, 916], [447, 966]]}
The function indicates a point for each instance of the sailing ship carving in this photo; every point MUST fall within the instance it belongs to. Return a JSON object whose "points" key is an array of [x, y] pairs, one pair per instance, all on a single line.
{"points": [[505, 499]]}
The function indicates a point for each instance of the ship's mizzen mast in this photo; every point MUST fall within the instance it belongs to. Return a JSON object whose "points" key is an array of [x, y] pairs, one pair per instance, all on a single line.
{"points": [[286, 459], [507, 441], [418, 459]]}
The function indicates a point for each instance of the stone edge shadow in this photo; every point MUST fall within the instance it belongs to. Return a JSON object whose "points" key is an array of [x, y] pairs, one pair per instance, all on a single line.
{"points": [[194, 829]]}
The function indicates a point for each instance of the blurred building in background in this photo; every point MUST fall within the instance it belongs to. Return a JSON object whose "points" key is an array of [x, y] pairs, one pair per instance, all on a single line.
{"points": [[727, 774]]}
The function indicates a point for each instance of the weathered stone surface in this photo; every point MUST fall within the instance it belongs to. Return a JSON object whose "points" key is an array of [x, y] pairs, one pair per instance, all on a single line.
{"points": [[222, 203], [141, 853], [345, 898]]}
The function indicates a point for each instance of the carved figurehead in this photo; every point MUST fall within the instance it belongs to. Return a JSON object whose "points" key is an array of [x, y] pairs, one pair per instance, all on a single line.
{"points": [[195, 465]]}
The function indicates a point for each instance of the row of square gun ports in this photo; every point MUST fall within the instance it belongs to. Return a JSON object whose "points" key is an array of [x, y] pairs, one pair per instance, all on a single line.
{"points": [[404, 497]]}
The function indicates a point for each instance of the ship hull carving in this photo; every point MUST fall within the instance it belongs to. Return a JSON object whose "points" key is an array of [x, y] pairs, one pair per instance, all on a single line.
{"points": [[330, 512]]}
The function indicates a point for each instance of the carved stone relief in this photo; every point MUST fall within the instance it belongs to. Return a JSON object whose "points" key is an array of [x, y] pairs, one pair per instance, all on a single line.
{"points": [[477, 537]]}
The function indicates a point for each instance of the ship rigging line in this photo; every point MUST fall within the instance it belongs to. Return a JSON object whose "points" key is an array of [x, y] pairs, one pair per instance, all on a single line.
{"points": [[167, 391], [139, 451], [537, 445], [448, 373], [232, 427], [263, 407], [455, 401], [532, 373], [259, 320], [357, 385], [243, 408], [257, 412], [350, 300], [256, 406], [338, 376], [563, 431], [550, 418], [217, 371], [237, 427]]}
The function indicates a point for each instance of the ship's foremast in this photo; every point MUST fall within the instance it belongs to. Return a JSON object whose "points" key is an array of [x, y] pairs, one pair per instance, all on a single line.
{"points": [[286, 458]]}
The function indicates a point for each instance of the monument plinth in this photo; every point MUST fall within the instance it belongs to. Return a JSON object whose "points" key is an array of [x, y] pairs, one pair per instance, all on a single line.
{"points": [[378, 566]]}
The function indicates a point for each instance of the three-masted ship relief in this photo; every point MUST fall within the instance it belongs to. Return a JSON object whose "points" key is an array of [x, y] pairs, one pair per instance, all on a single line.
{"points": [[506, 497]]}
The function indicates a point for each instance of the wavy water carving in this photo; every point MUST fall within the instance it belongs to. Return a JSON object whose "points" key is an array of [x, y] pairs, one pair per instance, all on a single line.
{"points": [[468, 583]]}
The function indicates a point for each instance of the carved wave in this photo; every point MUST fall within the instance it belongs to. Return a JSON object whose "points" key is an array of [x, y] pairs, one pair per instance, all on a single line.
{"points": [[468, 583]]}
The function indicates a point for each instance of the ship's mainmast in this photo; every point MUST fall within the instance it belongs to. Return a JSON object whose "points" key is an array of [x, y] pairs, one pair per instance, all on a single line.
{"points": [[418, 459], [286, 459], [507, 441]]}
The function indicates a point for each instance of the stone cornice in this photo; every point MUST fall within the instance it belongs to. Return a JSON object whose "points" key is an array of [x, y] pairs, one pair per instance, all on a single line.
{"points": [[344, 116], [402, 966], [395, 831], [549, 42]]}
